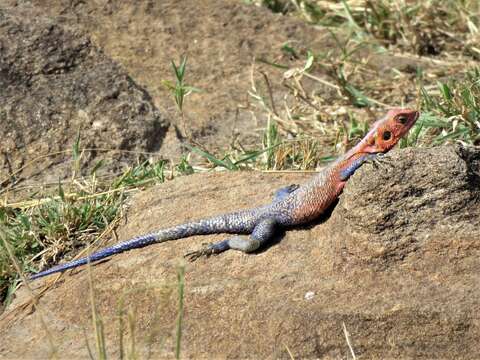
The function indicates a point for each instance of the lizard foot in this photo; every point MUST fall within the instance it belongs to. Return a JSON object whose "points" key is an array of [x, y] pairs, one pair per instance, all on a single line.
{"points": [[194, 255], [207, 250], [377, 160]]}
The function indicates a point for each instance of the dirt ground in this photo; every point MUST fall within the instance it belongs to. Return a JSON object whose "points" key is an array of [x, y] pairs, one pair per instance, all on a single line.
{"points": [[143, 38], [146, 36]]}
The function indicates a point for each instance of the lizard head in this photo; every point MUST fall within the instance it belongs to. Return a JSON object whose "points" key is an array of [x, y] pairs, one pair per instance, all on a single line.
{"points": [[389, 130]]}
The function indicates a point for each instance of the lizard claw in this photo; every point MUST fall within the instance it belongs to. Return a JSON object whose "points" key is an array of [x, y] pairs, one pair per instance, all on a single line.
{"points": [[208, 250], [383, 160], [377, 160], [205, 251]]}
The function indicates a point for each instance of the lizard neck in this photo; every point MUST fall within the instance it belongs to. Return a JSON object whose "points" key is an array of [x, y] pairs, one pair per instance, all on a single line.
{"points": [[351, 156], [348, 163], [360, 147], [359, 150]]}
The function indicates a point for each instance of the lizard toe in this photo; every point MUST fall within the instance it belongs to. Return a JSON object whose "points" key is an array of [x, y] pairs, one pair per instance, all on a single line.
{"points": [[207, 250], [194, 255]]}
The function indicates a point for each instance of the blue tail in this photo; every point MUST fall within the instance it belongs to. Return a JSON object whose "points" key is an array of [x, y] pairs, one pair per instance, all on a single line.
{"points": [[238, 222], [134, 243]]}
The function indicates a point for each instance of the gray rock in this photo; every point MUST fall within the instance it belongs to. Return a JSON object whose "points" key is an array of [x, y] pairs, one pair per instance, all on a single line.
{"points": [[55, 83]]}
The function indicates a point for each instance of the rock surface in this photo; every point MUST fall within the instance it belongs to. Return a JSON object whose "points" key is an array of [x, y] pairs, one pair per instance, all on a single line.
{"points": [[396, 261], [54, 84]]}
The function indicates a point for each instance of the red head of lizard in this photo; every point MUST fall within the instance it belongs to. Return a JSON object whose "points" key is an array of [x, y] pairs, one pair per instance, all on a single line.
{"points": [[386, 132]]}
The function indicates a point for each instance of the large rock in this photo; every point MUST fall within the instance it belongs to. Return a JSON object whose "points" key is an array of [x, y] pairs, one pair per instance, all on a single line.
{"points": [[396, 261], [55, 83]]}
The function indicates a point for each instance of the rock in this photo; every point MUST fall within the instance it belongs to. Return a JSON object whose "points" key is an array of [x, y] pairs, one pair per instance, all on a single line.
{"points": [[396, 262], [55, 84]]}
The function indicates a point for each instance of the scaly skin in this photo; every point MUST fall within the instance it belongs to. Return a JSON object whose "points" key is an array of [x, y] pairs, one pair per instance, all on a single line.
{"points": [[292, 205]]}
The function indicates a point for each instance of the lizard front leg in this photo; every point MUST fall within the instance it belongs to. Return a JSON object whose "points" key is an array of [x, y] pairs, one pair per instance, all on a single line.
{"points": [[348, 171], [261, 234], [283, 192]]}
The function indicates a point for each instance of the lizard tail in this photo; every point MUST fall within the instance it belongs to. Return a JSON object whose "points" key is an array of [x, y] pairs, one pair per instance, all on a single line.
{"points": [[239, 222], [136, 242]]}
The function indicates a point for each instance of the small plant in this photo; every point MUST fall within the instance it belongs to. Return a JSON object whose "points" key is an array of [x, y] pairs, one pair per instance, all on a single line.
{"points": [[180, 89], [271, 139], [184, 167], [97, 323], [181, 289]]}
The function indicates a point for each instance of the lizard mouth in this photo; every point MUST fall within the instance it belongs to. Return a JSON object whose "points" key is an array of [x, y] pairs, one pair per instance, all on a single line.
{"points": [[413, 119], [416, 116]]}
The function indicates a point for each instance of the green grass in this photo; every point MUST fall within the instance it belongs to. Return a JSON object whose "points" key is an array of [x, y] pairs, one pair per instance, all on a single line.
{"points": [[48, 227], [180, 89], [346, 78], [452, 112], [49, 231], [426, 27]]}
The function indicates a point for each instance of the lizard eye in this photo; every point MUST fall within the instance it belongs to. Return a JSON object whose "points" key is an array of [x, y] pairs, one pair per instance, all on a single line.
{"points": [[387, 135], [402, 119]]}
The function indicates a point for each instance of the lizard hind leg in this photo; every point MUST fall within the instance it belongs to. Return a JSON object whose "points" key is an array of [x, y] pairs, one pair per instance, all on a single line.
{"points": [[260, 235]]}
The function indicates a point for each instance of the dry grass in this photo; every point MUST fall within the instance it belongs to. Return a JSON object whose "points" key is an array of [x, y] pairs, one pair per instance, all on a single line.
{"points": [[386, 54]]}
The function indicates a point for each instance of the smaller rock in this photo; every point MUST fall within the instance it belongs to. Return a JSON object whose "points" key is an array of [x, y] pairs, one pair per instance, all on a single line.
{"points": [[309, 295]]}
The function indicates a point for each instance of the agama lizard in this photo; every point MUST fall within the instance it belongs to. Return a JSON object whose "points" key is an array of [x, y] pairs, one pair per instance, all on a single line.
{"points": [[292, 205]]}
